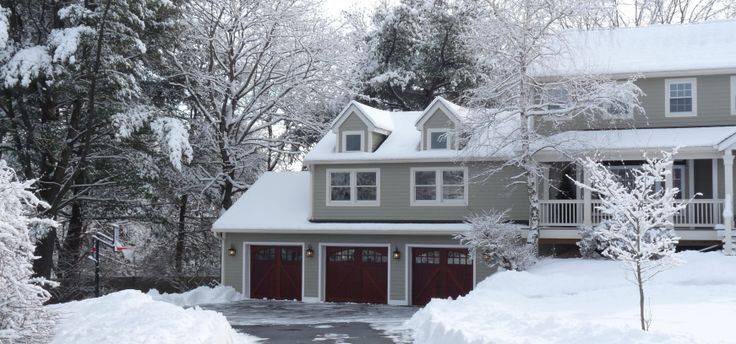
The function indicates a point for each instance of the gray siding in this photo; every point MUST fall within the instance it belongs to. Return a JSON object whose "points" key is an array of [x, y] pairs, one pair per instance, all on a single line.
{"points": [[493, 192], [438, 120], [233, 265], [713, 99], [352, 123]]}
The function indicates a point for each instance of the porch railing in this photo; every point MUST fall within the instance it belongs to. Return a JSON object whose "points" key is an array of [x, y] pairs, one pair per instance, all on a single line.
{"points": [[569, 213]]}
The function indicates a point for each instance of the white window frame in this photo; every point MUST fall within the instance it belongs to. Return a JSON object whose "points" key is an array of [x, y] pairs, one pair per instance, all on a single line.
{"points": [[694, 83], [353, 188], [448, 137], [733, 94], [438, 201], [344, 140]]}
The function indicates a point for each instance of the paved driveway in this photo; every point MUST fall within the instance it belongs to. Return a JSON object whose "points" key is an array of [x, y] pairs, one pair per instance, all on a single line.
{"points": [[296, 322]]}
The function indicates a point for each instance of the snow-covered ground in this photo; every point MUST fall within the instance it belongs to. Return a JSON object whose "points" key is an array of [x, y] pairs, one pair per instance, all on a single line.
{"points": [[131, 316], [199, 296], [589, 301]]}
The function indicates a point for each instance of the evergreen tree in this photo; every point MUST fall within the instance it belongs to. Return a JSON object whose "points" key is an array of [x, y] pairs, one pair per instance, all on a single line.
{"points": [[416, 53]]}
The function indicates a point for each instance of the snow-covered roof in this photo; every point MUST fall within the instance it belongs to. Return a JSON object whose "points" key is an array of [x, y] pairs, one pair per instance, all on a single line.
{"points": [[279, 202], [647, 50], [634, 139], [379, 119]]}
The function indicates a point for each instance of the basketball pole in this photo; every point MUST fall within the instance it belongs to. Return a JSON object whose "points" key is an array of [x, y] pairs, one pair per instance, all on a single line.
{"points": [[97, 267]]}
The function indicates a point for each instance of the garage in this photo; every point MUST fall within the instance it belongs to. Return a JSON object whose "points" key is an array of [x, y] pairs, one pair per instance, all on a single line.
{"points": [[440, 273], [356, 274], [276, 272]]}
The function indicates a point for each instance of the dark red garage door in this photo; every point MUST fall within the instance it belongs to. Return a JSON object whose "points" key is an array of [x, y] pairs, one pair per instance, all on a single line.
{"points": [[276, 272], [357, 274], [440, 273]]}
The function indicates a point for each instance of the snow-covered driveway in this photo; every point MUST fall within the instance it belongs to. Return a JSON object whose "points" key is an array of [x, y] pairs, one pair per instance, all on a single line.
{"points": [[296, 322]]}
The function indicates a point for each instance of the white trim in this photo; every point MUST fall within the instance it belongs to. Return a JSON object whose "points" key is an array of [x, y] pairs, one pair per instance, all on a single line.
{"points": [[694, 87], [344, 135], [407, 267], [448, 136], [246, 261], [714, 178], [733, 94], [322, 266], [310, 299], [353, 202], [345, 113], [431, 111], [222, 260], [438, 201]]}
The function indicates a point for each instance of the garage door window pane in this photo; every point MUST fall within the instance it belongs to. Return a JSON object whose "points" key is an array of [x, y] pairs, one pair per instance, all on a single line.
{"points": [[429, 257], [266, 254], [291, 255], [346, 255], [373, 256], [458, 258]]}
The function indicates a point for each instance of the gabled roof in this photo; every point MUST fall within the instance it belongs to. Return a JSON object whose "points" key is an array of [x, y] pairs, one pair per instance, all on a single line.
{"points": [[376, 119], [278, 202], [456, 113], [652, 50]]}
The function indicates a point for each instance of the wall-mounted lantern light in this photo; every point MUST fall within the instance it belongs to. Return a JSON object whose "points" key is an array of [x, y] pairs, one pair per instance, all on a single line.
{"points": [[397, 254], [231, 251], [309, 252]]}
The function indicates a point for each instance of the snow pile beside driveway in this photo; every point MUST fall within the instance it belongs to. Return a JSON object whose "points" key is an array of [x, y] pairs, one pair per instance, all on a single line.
{"points": [[199, 296], [588, 301], [131, 317]]}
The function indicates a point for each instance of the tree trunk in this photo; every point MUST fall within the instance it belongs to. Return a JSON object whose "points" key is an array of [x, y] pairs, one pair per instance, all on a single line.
{"points": [[179, 250], [640, 284]]}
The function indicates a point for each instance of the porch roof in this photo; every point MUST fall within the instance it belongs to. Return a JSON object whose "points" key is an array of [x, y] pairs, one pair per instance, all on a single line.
{"points": [[690, 139], [279, 202]]}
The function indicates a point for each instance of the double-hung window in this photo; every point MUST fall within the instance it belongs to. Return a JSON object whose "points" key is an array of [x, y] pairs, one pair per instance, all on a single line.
{"points": [[353, 187], [681, 97], [439, 186]]}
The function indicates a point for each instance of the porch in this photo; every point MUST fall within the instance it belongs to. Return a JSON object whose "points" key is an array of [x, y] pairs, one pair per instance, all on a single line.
{"points": [[702, 171]]}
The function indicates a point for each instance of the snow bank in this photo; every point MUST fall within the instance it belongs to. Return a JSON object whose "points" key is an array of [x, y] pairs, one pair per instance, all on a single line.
{"points": [[199, 296], [588, 301], [130, 316]]}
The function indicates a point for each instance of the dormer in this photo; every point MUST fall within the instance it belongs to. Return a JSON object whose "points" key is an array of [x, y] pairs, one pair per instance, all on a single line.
{"points": [[439, 125], [361, 128]]}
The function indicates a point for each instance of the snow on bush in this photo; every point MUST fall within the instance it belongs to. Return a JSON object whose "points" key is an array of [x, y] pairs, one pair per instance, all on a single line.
{"points": [[588, 301], [23, 319], [199, 296], [130, 316], [498, 240]]}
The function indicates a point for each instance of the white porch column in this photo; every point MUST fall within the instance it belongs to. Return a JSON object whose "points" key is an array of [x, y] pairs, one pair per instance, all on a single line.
{"points": [[728, 203], [545, 182], [668, 186], [587, 197], [690, 190], [714, 178]]}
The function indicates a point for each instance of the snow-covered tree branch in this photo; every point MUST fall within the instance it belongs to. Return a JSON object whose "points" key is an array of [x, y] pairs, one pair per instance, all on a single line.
{"points": [[23, 319], [518, 102], [498, 241]]}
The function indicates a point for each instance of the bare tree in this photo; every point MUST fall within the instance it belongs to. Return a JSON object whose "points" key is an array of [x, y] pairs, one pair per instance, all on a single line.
{"points": [[256, 73], [638, 229]]}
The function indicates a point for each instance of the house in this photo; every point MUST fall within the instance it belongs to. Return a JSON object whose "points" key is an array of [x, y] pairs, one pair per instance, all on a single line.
{"points": [[373, 216]]}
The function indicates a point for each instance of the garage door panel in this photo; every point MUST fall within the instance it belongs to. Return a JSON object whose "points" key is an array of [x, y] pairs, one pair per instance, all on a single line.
{"points": [[356, 274], [276, 272], [440, 273]]}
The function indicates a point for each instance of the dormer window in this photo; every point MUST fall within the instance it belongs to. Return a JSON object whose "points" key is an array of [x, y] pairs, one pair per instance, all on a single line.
{"points": [[352, 141], [438, 138]]}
